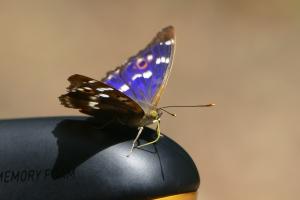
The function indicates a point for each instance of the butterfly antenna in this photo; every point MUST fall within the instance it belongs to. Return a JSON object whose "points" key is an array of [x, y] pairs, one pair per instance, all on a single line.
{"points": [[193, 106], [173, 114]]}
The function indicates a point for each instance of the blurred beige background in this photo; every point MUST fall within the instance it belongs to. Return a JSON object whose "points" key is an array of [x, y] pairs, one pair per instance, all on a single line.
{"points": [[241, 55]]}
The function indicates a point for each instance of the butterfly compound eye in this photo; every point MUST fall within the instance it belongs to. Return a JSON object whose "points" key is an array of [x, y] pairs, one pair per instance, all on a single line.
{"points": [[141, 63]]}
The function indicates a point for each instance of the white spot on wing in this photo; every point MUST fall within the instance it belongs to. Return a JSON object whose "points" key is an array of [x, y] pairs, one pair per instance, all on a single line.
{"points": [[136, 76], [87, 88], [147, 74], [167, 60], [104, 89], [109, 77], [93, 104], [163, 59], [124, 88], [169, 42], [150, 57], [92, 81], [157, 61], [104, 95]]}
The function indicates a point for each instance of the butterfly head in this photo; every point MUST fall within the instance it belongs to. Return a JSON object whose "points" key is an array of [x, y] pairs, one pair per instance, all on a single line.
{"points": [[155, 114], [152, 115]]}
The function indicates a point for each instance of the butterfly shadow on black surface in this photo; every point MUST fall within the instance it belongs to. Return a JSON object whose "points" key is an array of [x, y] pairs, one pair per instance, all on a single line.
{"points": [[79, 140]]}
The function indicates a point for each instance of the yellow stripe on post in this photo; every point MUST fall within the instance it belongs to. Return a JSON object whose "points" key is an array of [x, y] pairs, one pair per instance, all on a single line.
{"points": [[185, 196]]}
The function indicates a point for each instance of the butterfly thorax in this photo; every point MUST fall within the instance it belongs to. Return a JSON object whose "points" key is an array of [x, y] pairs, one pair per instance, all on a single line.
{"points": [[150, 117]]}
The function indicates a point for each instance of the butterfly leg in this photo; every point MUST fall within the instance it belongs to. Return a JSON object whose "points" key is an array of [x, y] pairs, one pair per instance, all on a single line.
{"points": [[135, 140], [158, 134]]}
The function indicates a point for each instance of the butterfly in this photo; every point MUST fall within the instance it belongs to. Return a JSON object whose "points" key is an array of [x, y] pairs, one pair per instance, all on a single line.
{"points": [[130, 93]]}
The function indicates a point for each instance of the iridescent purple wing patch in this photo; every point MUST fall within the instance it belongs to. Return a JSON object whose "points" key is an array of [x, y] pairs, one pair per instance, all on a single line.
{"points": [[144, 76]]}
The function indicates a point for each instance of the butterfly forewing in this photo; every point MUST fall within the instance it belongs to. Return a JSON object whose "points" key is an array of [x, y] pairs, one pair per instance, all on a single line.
{"points": [[144, 76], [99, 99]]}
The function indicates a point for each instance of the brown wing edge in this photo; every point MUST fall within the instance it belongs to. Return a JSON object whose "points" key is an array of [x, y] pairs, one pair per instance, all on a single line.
{"points": [[167, 34]]}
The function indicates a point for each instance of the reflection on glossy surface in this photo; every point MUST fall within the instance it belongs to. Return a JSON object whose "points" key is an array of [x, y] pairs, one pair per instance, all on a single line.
{"points": [[186, 196]]}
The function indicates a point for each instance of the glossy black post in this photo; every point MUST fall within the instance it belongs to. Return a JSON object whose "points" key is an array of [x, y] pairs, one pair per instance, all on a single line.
{"points": [[73, 158]]}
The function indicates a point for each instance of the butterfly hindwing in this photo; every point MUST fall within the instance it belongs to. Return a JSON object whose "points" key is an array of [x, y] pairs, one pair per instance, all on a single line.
{"points": [[144, 76], [99, 99]]}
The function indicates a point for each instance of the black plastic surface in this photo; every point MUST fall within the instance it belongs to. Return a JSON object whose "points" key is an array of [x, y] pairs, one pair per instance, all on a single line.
{"points": [[72, 158]]}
